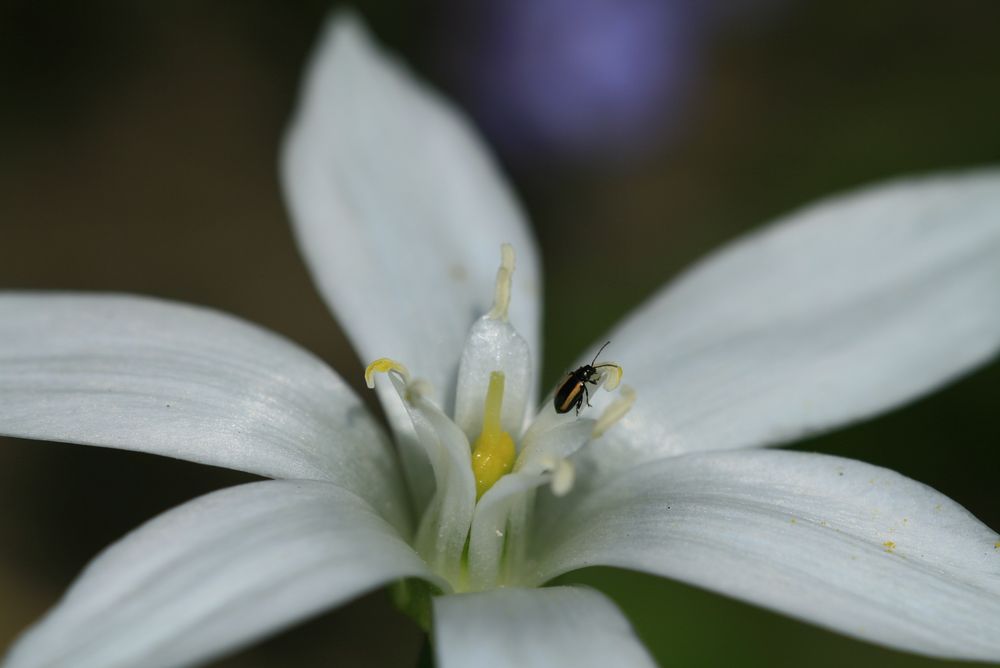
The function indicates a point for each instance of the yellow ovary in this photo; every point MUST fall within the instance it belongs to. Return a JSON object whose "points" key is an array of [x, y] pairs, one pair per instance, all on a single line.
{"points": [[493, 453]]}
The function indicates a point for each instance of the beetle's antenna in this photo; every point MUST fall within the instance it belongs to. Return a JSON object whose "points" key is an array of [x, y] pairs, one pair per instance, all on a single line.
{"points": [[599, 353]]}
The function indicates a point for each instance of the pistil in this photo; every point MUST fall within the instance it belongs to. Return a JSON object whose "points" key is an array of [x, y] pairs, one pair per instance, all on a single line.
{"points": [[493, 452]]}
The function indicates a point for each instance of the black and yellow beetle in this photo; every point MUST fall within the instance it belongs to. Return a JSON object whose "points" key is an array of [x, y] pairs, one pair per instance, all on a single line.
{"points": [[574, 391]]}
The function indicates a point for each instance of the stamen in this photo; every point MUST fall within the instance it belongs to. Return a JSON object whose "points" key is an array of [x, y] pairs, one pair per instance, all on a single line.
{"points": [[615, 411], [563, 476], [385, 365], [609, 375], [501, 294], [493, 452]]}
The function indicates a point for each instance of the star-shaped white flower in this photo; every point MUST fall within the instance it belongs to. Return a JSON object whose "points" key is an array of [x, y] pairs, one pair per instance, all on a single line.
{"points": [[841, 311]]}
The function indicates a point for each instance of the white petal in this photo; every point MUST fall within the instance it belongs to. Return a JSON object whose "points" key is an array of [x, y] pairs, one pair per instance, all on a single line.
{"points": [[218, 573], [534, 628], [493, 345], [552, 437], [853, 547], [148, 375], [838, 312], [444, 527], [399, 211], [493, 528]]}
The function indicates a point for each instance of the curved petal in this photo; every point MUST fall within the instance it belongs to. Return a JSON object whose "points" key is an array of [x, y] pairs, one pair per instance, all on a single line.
{"points": [[187, 382], [444, 526], [493, 345], [399, 211], [217, 573], [534, 628], [838, 312], [496, 527], [853, 547]]}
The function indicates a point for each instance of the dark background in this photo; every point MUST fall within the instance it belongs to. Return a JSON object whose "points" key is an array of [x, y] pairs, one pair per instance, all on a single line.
{"points": [[138, 154]]}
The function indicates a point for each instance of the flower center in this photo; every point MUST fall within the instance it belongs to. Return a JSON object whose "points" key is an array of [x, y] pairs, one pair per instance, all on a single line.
{"points": [[493, 453], [487, 462]]}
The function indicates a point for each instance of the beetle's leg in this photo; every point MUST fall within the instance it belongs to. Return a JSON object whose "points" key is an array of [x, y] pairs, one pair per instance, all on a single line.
{"points": [[586, 393], [579, 399]]}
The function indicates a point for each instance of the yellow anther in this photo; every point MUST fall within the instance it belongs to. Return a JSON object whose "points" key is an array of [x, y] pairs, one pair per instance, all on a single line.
{"points": [[493, 453], [501, 294], [615, 411], [610, 375], [384, 365]]}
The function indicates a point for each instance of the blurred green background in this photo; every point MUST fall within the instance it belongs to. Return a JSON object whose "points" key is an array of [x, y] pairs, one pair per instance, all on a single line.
{"points": [[139, 151]]}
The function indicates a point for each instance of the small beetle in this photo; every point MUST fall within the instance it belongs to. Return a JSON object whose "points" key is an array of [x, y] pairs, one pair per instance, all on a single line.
{"points": [[574, 389]]}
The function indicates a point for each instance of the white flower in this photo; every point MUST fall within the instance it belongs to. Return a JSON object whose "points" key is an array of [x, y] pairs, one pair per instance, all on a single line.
{"points": [[836, 313]]}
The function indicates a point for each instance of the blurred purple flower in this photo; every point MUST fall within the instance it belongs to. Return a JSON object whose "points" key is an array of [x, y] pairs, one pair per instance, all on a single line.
{"points": [[575, 78]]}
